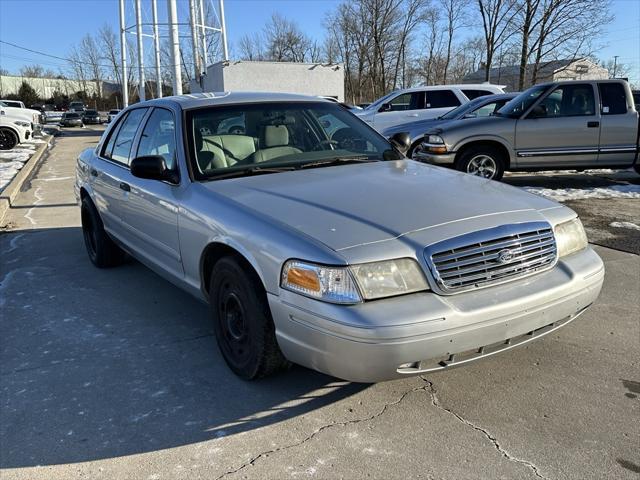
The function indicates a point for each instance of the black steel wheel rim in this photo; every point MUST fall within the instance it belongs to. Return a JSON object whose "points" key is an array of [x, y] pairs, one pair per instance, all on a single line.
{"points": [[233, 321]]}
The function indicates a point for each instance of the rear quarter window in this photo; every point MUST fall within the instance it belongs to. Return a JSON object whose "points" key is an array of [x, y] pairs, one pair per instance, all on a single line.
{"points": [[475, 93], [441, 99], [613, 98]]}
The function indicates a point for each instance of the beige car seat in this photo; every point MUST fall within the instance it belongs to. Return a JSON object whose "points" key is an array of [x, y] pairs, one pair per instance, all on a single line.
{"points": [[276, 143], [222, 151]]}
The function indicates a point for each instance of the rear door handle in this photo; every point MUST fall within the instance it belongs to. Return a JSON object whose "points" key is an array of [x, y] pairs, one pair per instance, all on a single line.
{"points": [[125, 187], [93, 172], [593, 124]]}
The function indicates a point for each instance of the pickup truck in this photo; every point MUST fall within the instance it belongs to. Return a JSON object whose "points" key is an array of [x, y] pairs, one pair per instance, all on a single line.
{"points": [[559, 125]]}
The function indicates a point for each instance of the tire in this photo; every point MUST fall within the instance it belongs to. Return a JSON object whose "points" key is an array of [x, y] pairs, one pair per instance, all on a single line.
{"points": [[482, 160], [8, 139], [102, 251], [413, 148], [242, 321]]}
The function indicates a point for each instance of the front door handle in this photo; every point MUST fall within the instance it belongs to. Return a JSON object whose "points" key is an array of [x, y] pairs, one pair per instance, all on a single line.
{"points": [[593, 124], [412, 115], [125, 187]]}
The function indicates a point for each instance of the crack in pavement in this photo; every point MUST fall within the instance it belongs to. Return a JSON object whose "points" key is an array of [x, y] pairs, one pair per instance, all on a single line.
{"points": [[436, 403], [382, 411]]}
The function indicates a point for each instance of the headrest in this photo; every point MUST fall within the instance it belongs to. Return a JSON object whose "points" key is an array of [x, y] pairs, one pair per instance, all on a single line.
{"points": [[276, 136], [198, 138]]}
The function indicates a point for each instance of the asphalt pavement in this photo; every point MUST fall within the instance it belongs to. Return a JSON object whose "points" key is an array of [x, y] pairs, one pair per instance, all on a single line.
{"points": [[115, 373]]}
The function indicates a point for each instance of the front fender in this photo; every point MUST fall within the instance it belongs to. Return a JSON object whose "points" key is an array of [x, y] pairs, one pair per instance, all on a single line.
{"points": [[485, 138]]}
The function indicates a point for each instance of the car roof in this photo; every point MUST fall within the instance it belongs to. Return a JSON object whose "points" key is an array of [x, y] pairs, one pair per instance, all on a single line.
{"points": [[465, 86], [195, 100]]}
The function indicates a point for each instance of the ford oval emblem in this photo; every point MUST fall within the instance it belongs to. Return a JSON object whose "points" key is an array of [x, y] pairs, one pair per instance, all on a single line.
{"points": [[505, 256]]}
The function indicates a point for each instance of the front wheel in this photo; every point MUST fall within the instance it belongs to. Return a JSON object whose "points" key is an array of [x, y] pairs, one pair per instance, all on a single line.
{"points": [[8, 139], [242, 321], [486, 162]]}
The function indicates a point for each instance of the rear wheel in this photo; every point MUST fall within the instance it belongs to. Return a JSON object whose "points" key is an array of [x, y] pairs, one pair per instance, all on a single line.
{"points": [[242, 321], [8, 139], [102, 251], [482, 161]]}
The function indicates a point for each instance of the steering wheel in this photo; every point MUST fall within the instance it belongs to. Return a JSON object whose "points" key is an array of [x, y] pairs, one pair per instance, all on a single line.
{"points": [[330, 143]]}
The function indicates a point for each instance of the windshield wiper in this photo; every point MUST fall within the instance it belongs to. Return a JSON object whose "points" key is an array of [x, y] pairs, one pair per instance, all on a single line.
{"points": [[245, 172], [339, 160]]}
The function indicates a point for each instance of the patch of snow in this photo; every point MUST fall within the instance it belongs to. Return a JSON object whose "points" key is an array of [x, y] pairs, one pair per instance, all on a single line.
{"points": [[564, 194], [629, 225]]}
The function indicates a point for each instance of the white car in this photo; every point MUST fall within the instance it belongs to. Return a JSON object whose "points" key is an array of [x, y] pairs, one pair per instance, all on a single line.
{"points": [[420, 103], [26, 114], [112, 115], [13, 131]]}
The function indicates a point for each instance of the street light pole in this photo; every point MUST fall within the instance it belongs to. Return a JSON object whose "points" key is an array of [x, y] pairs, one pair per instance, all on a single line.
{"points": [[123, 58], [141, 79], [175, 47], [156, 46]]}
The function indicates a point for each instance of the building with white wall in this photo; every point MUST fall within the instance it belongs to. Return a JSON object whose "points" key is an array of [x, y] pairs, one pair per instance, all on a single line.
{"points": [[283, 77]]}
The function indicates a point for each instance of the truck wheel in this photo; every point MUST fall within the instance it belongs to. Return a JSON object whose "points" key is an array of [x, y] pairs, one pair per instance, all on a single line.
{"points": [[103, 252], [8, 139], [483, 161], [242, 321]]}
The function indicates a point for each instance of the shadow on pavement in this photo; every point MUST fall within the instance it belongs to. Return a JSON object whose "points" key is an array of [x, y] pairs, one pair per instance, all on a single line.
{"points": [[103, 363]]}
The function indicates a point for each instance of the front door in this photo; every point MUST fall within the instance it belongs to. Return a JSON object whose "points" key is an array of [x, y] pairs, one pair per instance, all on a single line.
{"points": [[403, 108], [561, 130]]}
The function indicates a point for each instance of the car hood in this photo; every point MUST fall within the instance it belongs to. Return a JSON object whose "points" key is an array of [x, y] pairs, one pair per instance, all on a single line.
{"points": [[418, 126], [350, 205]]}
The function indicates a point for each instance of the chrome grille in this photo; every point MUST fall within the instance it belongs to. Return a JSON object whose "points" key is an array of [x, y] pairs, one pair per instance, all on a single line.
{"points": [[492, 256]]}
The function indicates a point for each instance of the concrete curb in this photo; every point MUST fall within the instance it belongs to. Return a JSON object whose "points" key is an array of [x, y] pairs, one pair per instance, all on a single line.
{"points": [[10, 192]]}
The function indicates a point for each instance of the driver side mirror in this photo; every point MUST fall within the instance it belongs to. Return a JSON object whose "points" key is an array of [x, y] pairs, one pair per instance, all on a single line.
{"points": [[539, 111], [386, 107], [152, 167], [402, 142]]}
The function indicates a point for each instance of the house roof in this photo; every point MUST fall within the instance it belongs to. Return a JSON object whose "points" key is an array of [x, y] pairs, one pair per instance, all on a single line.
{"points": [[514, 70]]}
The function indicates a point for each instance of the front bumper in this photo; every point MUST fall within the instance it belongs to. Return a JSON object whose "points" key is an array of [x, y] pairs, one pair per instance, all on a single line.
{"points": [[436, 159], [413, 334]]}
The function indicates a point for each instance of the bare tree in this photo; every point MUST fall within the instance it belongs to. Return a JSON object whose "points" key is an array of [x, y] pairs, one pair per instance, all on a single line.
{"points": [[93, 59], [455, 16], [251, 47], [285, 41], [498, 25]]}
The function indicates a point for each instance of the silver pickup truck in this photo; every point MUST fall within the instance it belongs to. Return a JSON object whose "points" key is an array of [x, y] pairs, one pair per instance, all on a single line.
{"points": [[560, 125]]}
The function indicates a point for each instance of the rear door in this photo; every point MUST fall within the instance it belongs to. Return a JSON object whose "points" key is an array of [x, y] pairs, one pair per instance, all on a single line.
{"points": [[618, 131], [560, 130], [438, 102], [151, 214], [109, 172]]}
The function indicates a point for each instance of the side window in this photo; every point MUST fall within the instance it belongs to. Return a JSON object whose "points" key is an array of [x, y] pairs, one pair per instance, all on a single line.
{"points": [[472, 94], [569, 101], [108, 148], [126, 134], [159, 138], [401, 102], [441, 99], [614, 98], [487, 109]]}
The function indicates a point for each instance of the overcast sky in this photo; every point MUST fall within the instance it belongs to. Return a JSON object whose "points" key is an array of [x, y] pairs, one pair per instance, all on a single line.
{"points": [[54, 26]]}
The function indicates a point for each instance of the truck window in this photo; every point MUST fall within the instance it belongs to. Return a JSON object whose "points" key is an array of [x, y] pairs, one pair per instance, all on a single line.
{"points": [[441, 99], [569, 101], [407, 101], [613, 97]]}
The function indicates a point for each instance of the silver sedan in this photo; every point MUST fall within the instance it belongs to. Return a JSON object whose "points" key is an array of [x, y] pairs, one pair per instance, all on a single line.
{"points": [[315, 241]]}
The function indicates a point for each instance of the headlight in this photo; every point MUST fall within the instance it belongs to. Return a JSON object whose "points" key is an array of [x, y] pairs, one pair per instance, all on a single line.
{"points": [[22, 124], [331, 284], [435, 139], [570, 237], [340, 284], [392, 277]]}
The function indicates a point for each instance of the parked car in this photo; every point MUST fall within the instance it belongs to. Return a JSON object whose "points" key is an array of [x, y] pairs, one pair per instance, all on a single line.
{"points": [[13, 103], [558, 125], [112, 115], [51, 113], [25, 114], [13, 132], [326, 253], [480, 107], [71, 119], [92, 116], [421, 103], [636, 99], [77, 106]]}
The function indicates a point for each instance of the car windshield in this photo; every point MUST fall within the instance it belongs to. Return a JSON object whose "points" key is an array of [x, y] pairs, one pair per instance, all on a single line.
{"points": [[264, 137], [114, 112], [520, 104], [72, 115]]}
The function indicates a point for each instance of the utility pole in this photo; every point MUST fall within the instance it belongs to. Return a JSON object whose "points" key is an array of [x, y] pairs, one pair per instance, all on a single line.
{"points": [[175, 47], [195, 47], [141, 79], [156, 46], [615, 65], [123, 58], [223, 30], [203, 38]]}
